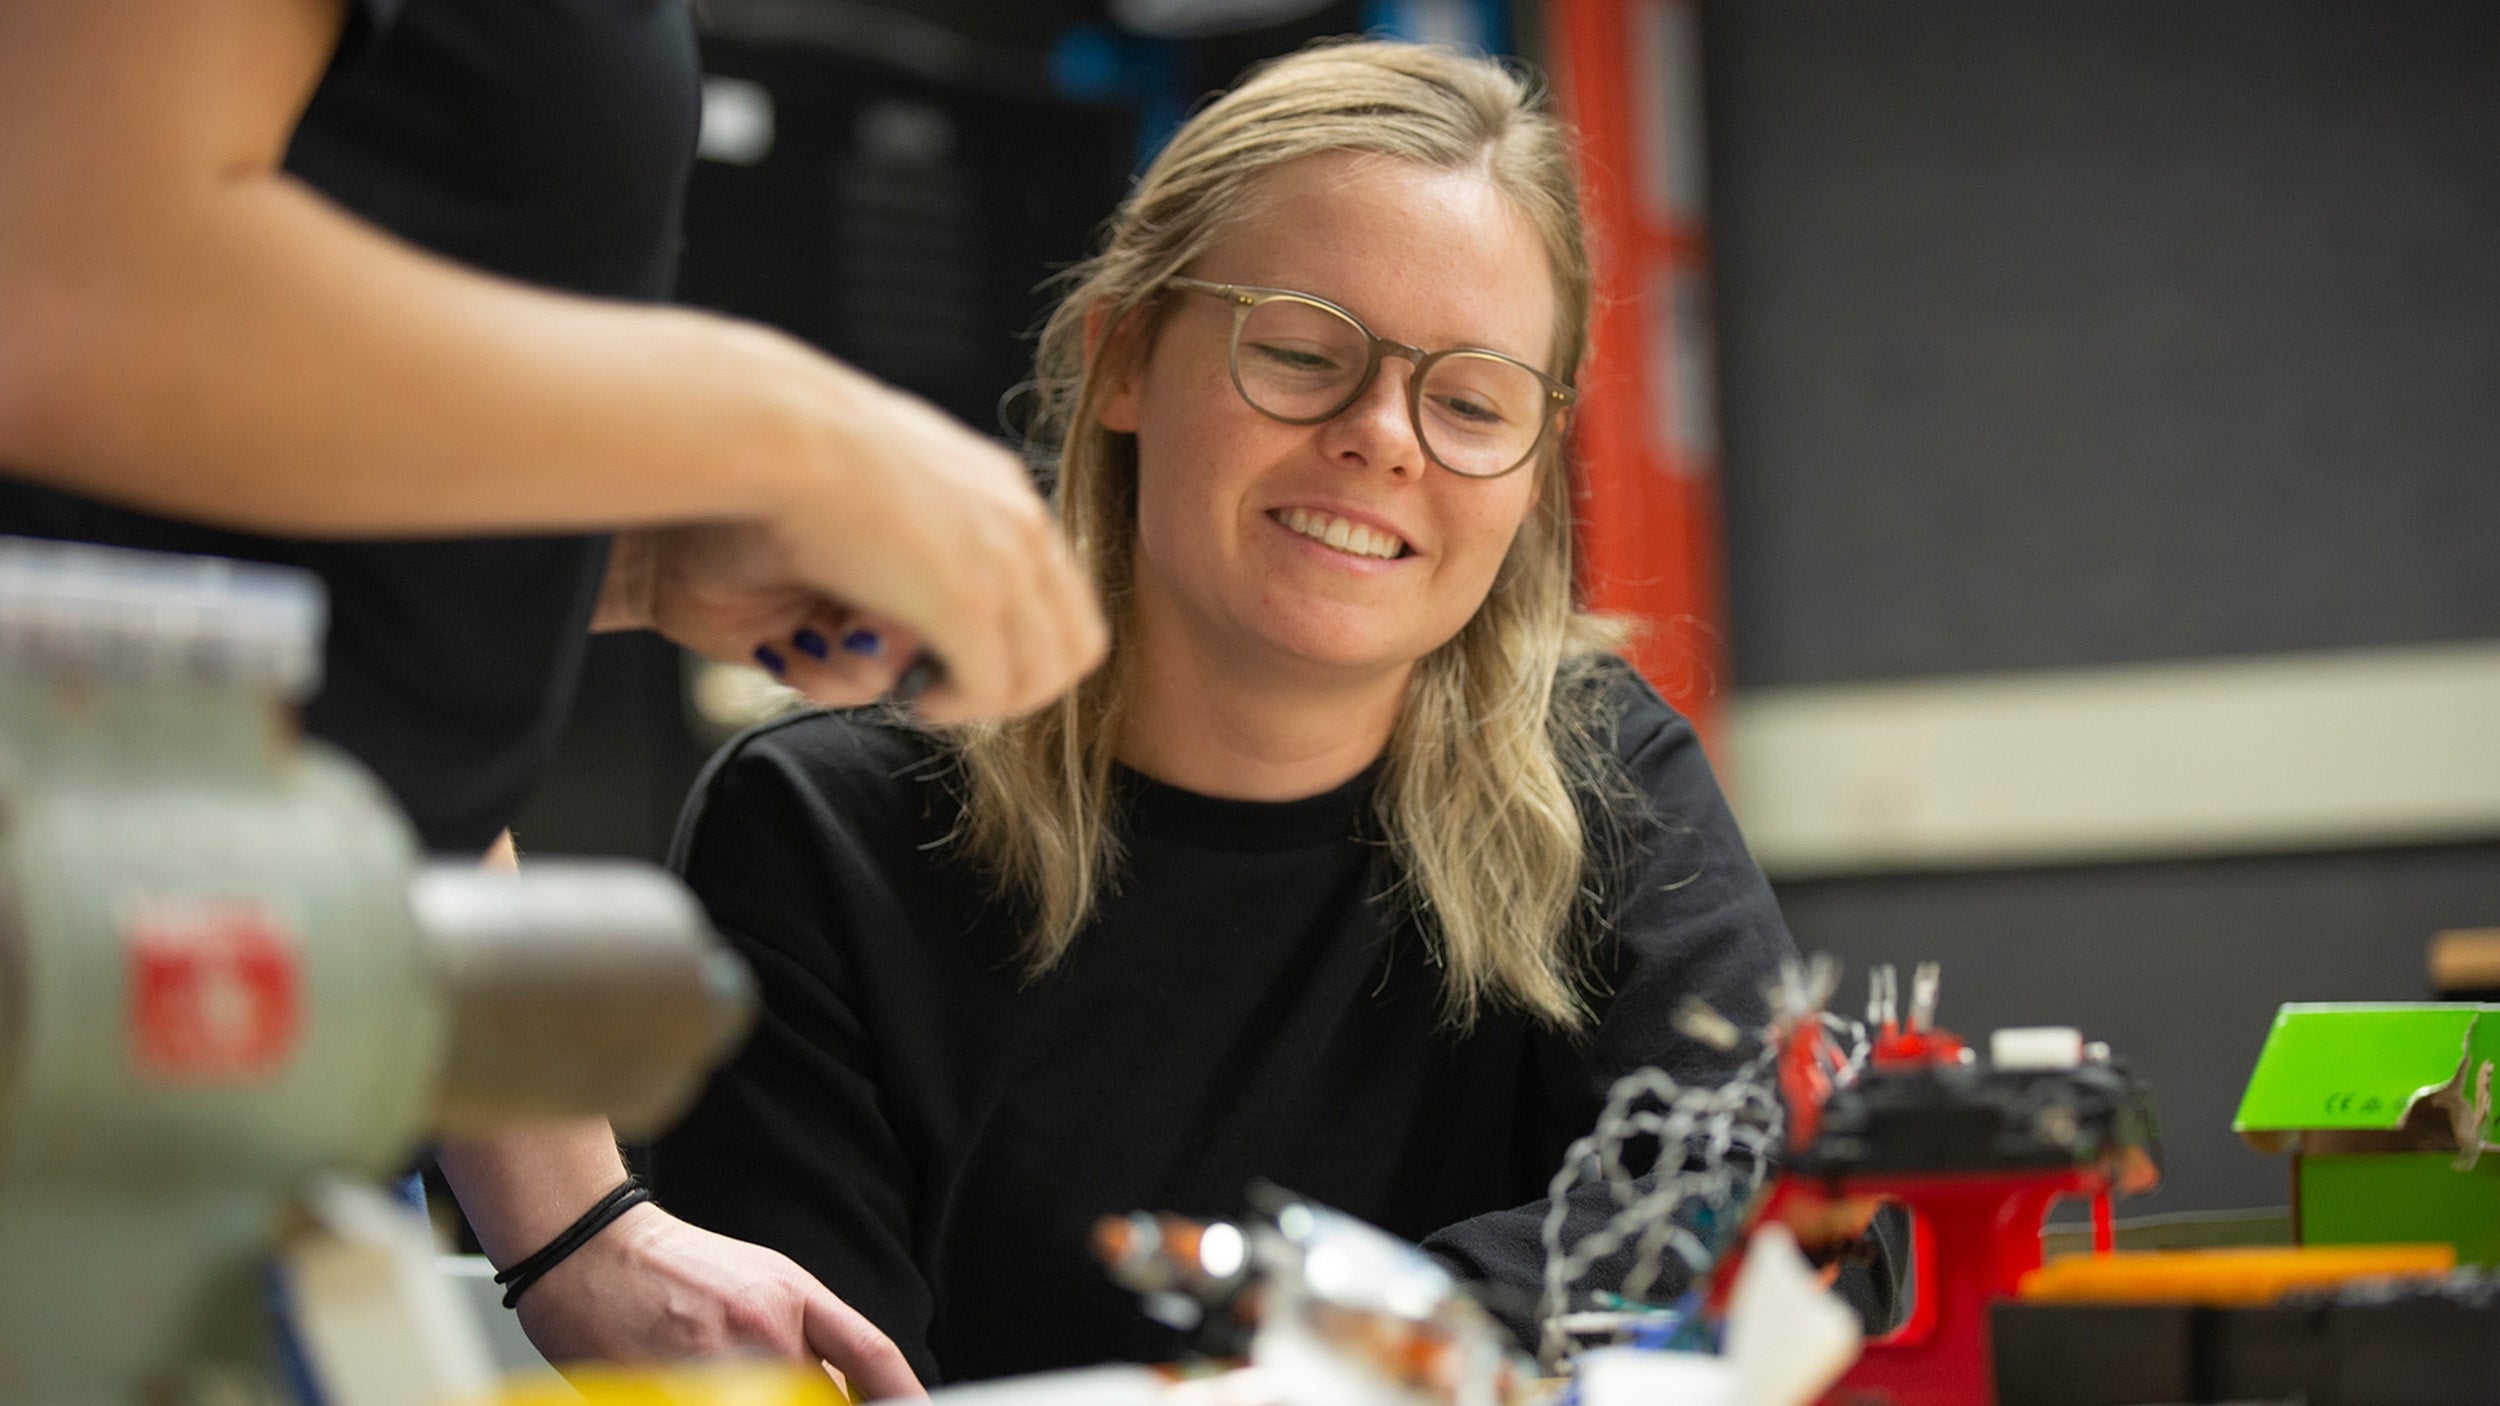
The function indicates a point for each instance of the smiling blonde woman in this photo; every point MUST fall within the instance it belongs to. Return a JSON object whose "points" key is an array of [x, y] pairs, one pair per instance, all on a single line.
{"points": [[1495, 730], [1362, 865]]}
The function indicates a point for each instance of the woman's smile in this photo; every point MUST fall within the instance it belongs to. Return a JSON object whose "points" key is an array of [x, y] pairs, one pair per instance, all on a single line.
{"points": [[1342, 536], [1337, 544]]}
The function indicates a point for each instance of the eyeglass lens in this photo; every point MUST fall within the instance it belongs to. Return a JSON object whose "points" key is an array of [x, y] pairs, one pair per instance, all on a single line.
{"points": [[1477, 414]]}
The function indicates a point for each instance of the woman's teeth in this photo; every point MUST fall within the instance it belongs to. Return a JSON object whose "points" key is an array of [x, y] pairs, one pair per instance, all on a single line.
{"points": [[1349, 537]]}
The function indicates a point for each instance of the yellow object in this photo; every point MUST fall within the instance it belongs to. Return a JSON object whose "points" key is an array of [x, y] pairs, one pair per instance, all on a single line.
{"points": [[745, 1384], [2227, 1278]]}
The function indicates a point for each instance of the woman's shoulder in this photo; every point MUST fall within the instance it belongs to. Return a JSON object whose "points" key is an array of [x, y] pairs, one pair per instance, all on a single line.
{"points": [[835, 739], [1623, 707], [828, 768]]}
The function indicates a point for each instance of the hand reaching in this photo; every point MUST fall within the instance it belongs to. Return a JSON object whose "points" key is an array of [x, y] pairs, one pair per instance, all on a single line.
{"points": [[653, 1288], [923, 536]]}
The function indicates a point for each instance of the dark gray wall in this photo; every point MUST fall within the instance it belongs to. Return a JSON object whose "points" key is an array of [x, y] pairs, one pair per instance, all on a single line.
{"points": [[2058, 335], [2073, 333]]}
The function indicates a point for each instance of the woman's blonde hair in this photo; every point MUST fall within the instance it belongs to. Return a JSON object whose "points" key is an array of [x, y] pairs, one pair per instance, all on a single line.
{"points": [[1502, 735]]}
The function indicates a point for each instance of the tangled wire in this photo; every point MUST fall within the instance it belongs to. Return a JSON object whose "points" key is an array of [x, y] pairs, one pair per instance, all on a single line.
{"points": [[1716, 1144]]}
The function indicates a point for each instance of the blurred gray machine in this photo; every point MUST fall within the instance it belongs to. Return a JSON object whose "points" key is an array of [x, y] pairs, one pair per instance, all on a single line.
{"points": [[230, 989]]}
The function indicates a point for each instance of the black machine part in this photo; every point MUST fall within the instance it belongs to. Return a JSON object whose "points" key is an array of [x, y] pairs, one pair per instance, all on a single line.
{"points": [[1977, 1117]]}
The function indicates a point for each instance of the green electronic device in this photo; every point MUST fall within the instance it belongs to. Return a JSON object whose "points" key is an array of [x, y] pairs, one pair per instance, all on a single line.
{"points": [[2386, 1110]]}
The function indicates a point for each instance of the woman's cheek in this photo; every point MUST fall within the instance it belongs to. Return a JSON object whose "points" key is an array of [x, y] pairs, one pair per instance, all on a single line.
{"points": [[1497, 522]]}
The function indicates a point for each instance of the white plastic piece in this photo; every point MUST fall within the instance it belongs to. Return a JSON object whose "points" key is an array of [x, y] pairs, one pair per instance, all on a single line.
{"points": [[378, 1325], [1787, 1335], [1351, 1265], [152, 615], [1302, 1368], [2036, 1047], [1631, 1376]]}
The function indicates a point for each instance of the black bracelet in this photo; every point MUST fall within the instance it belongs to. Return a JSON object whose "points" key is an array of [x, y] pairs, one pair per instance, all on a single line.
{"points": [[529, 1271]]}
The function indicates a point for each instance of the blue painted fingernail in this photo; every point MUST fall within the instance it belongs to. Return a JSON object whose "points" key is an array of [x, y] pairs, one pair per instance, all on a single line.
{"points": [[811, 644], [771, 659], [862, 642]]}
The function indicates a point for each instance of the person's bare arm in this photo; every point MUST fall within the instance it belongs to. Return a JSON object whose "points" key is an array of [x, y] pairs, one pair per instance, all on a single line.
{"points": [[651, 1287], [175, 298], [187, 329]]}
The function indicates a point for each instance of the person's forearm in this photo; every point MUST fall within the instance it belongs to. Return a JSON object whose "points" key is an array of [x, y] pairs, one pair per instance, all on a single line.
{"points": [[521, 1189], [267, 362], [187, 329]]}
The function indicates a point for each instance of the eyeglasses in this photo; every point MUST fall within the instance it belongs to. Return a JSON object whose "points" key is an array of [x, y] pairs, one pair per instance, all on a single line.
{"points": [[1303, 359]]}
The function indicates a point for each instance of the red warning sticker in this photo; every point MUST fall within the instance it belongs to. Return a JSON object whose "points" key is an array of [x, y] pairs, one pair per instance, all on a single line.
{"points": [[215, 988]]}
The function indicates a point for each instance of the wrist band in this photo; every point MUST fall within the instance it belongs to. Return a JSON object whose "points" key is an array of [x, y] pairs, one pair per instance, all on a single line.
{"points": [[529, 1271]]}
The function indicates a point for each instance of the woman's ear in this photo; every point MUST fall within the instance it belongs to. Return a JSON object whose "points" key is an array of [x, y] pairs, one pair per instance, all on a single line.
{"points": [[1116, 408]]}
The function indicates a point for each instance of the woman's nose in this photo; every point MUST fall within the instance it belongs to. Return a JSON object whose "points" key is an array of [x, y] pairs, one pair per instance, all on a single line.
{"points": [[1378, 429]]}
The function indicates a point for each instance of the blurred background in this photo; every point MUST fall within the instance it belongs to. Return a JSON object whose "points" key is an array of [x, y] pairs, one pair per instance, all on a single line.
{"points": [[2058, 445]]}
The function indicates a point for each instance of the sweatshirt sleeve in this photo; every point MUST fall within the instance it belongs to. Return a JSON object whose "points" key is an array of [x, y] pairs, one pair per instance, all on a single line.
{"points": [[789, 1146], [1693, 917]]}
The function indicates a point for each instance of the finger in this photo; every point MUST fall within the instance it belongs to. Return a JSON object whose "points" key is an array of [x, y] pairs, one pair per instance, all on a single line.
{"points": [[868, 1359], [908, 651], [841, 658], [1025, 632], [864, 635], [988, 637], [1057, 642], [1044, 638], [983, 690], [971, 646], [1068, 595]]}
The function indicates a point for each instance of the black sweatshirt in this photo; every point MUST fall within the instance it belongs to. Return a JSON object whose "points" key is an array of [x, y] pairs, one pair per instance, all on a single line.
{"points": [[933, 1135]]}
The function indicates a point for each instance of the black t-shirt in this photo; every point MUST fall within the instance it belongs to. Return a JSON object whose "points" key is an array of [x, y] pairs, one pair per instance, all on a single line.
{"points": [[543, 140], [933, 1136]]}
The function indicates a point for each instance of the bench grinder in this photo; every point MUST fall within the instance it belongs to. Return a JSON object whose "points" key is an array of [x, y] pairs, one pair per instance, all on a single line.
{"points": [[226, 974]]}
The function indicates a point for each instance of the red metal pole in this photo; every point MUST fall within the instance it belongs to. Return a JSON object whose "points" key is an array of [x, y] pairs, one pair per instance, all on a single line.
{"points": [[1627, 75]]}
